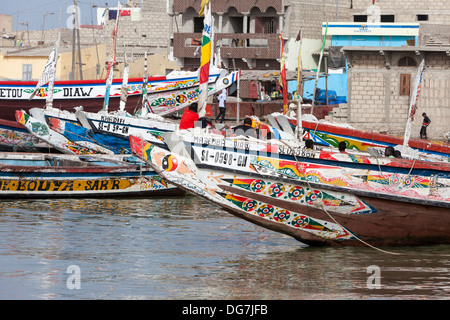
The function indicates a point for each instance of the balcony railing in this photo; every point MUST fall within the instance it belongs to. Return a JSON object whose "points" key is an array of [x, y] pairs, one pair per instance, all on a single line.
{"points": [[233, 45]]}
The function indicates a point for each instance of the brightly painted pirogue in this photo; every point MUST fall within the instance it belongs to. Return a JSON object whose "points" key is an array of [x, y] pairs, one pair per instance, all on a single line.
{"points": [[329, 134], [28, 175], [317, 197]]}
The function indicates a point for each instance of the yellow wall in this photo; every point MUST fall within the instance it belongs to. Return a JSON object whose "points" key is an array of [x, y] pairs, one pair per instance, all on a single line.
{"points": [[11, 67], [89, 62], [157, 64]]}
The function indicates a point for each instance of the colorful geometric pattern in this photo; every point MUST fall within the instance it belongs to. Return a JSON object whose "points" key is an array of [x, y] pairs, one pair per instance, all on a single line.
{"points": [[304, 196], [296, 220]]}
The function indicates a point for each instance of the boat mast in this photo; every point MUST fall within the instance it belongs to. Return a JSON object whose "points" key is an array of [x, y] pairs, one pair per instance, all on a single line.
{"points": [[205, 58], [318, 69], [124, 91], [112, 61], [413, 103], [299, 88], [76, 31]]}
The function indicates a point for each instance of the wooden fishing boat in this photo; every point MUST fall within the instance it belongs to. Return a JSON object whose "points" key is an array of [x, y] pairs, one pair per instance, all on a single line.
{"points": [[15, 137], [167, 90], [38, 128], [318, 197], [28, 175], [148, 123], [15, 95], [329, 134]]}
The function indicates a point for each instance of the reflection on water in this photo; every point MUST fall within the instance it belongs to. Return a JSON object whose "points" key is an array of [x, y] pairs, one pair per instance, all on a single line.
{"points": [[186, 248]]}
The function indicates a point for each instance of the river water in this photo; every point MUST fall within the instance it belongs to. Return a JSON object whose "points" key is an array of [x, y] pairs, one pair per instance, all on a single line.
{"points": [[185, 248]]}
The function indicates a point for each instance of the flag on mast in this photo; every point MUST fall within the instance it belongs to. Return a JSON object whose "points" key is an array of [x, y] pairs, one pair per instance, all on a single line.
{"points": [[205, 58], [48, 74], [111, 62], [202, 9], [299, 64], [283, 77], [413, 103], [124, 89]]}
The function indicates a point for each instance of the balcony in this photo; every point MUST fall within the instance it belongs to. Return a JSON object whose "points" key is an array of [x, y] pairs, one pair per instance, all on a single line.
{"points": [[233, 45], [180, 6]]}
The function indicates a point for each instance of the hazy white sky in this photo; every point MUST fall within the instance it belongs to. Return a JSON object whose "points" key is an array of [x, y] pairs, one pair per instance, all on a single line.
{"points": [[33, 11]]}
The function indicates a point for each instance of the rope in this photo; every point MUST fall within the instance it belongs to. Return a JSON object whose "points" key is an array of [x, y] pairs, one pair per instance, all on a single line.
{"points": [[326, 211]]}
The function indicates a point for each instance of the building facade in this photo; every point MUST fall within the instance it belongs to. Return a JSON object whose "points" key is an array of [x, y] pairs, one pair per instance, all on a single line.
{"points": [[380, 84]]}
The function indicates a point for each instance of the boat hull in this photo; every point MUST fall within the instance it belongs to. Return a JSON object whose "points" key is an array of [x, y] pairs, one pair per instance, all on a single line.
{"points": [[90, 103], [15, 137], [321, 201], [167, 90], [64, 176], [332, 135]]}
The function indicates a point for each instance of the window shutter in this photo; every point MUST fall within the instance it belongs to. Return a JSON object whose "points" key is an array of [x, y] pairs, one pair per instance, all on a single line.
{"points": [[27, 72], [405, 84]]}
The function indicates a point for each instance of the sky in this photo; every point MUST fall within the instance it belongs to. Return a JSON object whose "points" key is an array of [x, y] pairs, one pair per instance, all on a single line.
{"points": [[34, 11]]}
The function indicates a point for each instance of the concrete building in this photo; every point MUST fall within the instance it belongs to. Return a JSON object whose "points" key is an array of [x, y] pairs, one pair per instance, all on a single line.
{"points": [[28, 63], [380, 86]]}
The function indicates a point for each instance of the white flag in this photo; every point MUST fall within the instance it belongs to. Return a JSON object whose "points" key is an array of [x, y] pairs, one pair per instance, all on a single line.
{"points": [[49, 69]]}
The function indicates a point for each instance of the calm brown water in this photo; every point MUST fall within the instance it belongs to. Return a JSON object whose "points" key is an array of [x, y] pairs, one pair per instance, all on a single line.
{"points": [[186, 248]]}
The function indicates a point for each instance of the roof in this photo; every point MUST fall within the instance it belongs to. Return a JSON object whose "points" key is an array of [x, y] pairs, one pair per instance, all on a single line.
{"points": [[43, 51], [269, 75], [371, 29], [399, 49]]}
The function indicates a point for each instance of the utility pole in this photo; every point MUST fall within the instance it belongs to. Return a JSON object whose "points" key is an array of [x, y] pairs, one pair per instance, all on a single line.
{"points": [[75, 23], [43, 24], [76, 29]]}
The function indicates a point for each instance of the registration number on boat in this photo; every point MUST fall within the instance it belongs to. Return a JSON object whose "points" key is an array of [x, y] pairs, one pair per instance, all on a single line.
{"points": [[224, 158], [112, 127]]}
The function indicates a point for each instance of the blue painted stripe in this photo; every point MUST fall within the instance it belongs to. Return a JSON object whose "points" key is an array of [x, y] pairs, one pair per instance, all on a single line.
{"points": [[372, 26]]}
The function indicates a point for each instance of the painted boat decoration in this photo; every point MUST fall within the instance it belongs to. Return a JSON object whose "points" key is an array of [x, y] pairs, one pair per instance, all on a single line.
{"points": [[91, 93], [27, 175], [151, 126], [81, 135], [159, 104], [110, 126], [39, 128], [15, 137], [329, 134], [317, 197]]}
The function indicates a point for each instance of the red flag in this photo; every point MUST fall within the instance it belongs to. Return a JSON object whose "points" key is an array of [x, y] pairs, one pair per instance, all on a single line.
{"points": [[283, 76]]}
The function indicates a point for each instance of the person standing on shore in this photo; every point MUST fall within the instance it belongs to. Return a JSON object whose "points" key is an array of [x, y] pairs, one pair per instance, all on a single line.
{"points": [[222, 107], [426, 122]]}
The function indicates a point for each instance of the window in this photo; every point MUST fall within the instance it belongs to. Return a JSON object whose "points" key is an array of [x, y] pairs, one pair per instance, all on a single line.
{"points": [[422, 17], [405, 84], [198, 24], [407, 62], [27, 72], [267, 25], [387, 18], [360, 18]]}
